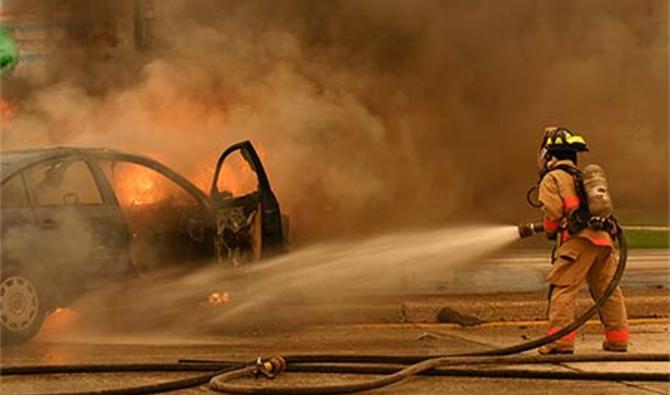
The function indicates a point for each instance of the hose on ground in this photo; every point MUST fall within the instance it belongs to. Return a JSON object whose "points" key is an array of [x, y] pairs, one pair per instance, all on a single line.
{"points": [[367, 364], [185, 365], [172, 385], [434, 367]]}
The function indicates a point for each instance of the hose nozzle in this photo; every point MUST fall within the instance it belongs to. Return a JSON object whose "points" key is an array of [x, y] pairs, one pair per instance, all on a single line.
{"points": [[527, 230], [270, 368]]}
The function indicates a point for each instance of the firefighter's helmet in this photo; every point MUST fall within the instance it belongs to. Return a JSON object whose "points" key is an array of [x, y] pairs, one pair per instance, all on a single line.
{"points": [[561, 139]]}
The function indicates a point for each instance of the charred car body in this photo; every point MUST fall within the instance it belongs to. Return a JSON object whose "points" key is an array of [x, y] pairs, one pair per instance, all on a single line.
{"points": [[74, 218]]}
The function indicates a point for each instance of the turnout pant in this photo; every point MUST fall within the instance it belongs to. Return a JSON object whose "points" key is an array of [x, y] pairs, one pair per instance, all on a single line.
{"points": [[575, 261]]}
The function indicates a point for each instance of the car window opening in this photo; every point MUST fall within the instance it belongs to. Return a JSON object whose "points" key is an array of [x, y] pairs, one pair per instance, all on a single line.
{"points": [[67, 183]]}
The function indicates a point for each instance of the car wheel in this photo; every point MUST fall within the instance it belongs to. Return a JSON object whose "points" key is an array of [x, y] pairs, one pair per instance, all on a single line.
{"points": [[21, 310]]}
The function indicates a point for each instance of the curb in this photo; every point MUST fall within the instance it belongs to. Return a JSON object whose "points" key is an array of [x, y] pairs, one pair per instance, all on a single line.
{"points": [[469, 310]]}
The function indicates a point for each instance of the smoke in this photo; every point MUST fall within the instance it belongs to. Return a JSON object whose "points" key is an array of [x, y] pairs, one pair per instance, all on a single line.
{"points": [[377, 114]]}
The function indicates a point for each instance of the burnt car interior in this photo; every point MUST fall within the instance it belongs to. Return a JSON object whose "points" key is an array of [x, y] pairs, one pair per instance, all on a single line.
{"points": [[65, 182], [166, 223]]}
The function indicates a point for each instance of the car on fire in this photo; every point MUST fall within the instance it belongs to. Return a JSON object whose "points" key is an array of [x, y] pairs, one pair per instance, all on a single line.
{"points": [[76, 218]]}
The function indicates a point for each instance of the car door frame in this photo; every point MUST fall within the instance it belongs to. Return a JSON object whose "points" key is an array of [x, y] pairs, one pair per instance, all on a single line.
{"points": [[13, 217], [272, 237], [111, 256]]}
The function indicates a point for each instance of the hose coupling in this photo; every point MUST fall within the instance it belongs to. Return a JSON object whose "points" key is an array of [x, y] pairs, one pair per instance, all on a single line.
{"points": [[271, 367], [527, 230]]}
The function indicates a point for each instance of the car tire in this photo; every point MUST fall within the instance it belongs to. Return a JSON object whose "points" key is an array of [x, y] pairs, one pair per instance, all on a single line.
{"points": [[22, 310]]}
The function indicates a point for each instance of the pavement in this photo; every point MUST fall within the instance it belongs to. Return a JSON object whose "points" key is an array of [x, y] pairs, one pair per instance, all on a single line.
{"points": [[506, 287], [437, 318], [526, 270], [356, 339]]}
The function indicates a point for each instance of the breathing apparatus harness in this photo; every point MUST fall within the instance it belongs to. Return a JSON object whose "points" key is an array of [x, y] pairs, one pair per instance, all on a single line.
{"points": [[581, 218]]}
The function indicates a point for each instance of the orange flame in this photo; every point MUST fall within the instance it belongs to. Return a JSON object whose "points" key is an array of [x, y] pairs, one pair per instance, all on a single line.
{"points": [[60, 321], [218, 298], [8, 109], [136, 186], [237, 176]]}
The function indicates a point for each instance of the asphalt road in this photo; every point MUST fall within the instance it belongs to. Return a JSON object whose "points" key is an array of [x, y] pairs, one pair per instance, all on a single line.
{"points": [[389, 339]]}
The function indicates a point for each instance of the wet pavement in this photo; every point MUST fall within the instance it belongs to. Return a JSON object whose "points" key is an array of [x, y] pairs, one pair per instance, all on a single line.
{"points": [[396, 339], [650, 336]]}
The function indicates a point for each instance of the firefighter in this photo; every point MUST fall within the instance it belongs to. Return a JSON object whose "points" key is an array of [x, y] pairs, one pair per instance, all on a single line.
{"points": [[582, 253]]}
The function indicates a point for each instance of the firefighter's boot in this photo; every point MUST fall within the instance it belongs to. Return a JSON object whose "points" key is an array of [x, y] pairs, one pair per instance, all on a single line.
{"points": [[552, 348], [616, 346]]}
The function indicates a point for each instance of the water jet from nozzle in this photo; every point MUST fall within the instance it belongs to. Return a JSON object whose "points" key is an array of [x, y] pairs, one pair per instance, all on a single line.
{"points": [[527, 230]]}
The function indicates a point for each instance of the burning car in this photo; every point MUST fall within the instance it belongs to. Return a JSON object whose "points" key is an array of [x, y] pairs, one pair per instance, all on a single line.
{"points": [[75, 218]]}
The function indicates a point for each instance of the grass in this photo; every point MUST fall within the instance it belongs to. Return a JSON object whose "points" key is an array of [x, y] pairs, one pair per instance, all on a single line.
{"points": [[635, 238], [647, 238]]}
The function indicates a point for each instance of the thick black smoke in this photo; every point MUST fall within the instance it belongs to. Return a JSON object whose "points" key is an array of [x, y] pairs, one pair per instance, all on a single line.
{"points": [[379, 113]]}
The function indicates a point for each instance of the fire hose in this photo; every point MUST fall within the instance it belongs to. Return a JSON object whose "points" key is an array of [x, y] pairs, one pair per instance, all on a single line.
{"points": [[395, 368]]}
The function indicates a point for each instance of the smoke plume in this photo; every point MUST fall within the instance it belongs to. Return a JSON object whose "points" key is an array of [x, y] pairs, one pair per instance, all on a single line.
{"points": [[376, 114]]}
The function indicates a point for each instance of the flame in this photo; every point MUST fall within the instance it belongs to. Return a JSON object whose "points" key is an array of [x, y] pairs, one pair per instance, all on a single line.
{"points": [[237, 176], [137, 185], [60, 321], [8, 109], [218, 298], [237, 179]]}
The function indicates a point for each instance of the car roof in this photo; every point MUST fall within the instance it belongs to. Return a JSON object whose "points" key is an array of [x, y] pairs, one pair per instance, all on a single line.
{"points": [[18, 159], [12, 162], [36, 154]]}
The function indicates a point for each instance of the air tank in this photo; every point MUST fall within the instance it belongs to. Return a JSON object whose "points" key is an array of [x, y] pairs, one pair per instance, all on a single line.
{"points": [[597, 191]]}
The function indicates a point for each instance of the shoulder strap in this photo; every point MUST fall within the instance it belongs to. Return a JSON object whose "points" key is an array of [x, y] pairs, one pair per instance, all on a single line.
{"points": [[579, 184], [575, 172]]}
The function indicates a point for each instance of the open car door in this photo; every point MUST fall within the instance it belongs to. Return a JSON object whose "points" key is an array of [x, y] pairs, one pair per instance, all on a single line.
{"points": [[249, 222]]}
